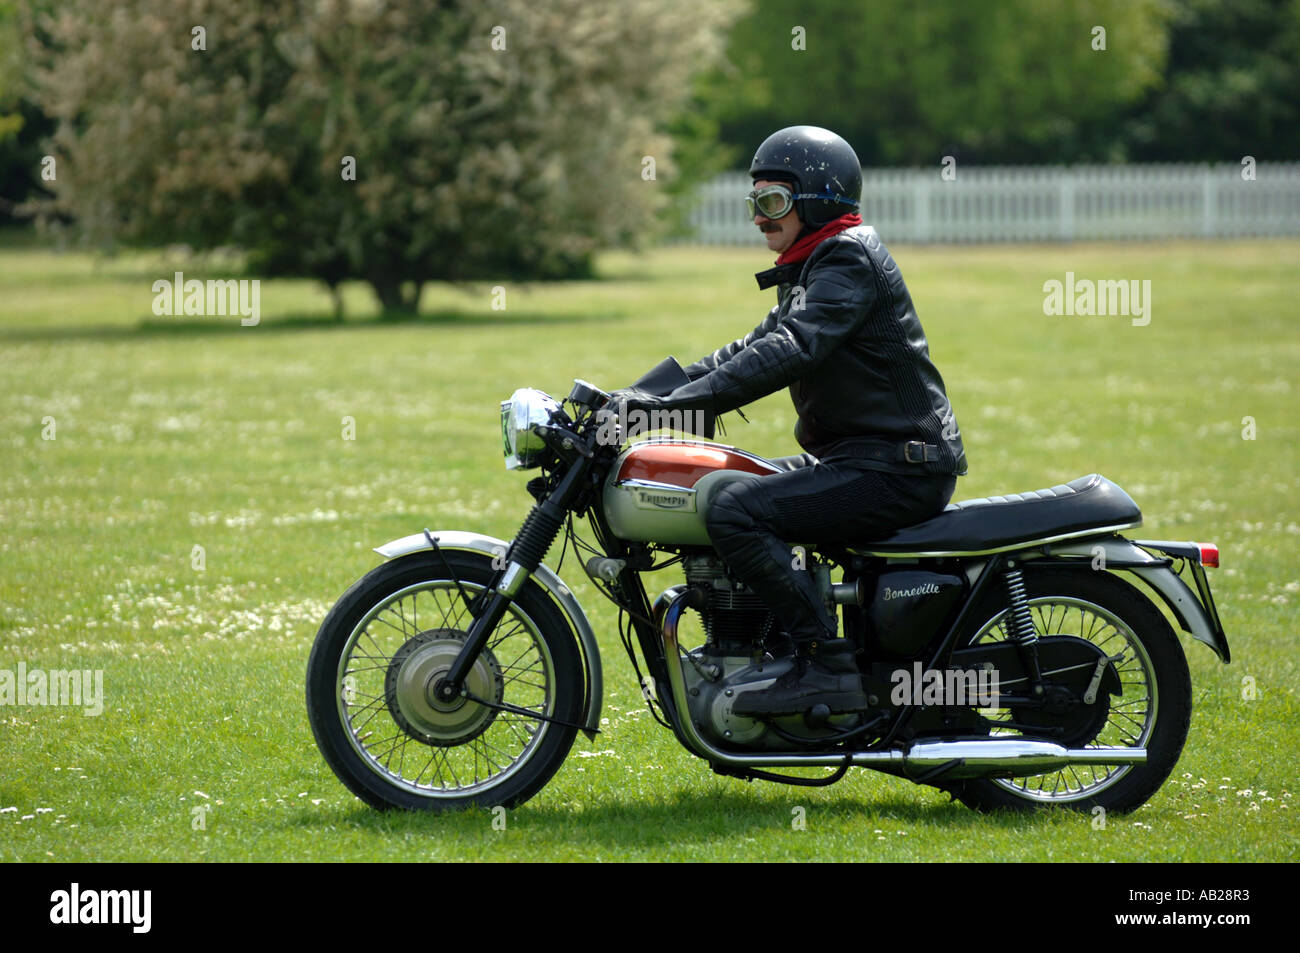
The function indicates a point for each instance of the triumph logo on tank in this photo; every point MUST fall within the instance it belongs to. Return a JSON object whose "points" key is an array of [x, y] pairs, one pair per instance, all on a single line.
{"points": [[963, 687], [667, 501], [616, 428]]}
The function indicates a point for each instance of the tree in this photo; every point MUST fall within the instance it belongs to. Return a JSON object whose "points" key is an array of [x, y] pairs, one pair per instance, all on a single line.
{"points": [[10, 70], [906, 83], [503, 139], [1232, 85], [13, 181]]}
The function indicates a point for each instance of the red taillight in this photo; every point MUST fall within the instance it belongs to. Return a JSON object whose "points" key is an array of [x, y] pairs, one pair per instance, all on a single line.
{"points": [[1209, 555]]}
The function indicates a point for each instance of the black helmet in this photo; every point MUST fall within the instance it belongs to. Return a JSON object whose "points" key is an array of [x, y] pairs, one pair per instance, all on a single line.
{"points": [[818, 163]]}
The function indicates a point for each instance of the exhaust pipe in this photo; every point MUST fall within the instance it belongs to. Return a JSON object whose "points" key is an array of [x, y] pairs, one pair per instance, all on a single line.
{"points": [[1009, 757]]}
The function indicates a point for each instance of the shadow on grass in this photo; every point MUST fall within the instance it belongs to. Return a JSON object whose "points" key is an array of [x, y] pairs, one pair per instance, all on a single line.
{"points": [[185, 327], [679, 818]]}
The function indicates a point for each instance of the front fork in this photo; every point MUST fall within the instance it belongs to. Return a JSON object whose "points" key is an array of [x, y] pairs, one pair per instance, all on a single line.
{"points": [[522, 559]]}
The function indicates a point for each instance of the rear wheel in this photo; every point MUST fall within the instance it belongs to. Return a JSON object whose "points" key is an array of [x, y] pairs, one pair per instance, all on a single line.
{"points": [[384, 647], [1153, 710]]}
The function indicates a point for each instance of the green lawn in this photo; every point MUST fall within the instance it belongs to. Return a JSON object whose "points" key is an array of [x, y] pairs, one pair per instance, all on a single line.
{"points": [[172, 433]]}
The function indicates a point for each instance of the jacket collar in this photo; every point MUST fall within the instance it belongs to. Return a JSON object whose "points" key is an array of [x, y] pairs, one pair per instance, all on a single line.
{"points": [[808, 240], [780, 275], [791, 262]]}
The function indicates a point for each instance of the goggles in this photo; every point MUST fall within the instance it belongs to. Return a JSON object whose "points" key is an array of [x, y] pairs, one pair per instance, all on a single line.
{"points": [[775, 201]]}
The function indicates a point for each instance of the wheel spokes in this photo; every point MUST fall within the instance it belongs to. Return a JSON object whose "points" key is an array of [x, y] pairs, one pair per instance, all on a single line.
{"points": [[1131, 715], [389, 641]]}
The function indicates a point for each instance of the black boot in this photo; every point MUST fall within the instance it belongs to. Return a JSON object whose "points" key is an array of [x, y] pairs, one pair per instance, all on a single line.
{"points": [[824, 673], [778, 644]]}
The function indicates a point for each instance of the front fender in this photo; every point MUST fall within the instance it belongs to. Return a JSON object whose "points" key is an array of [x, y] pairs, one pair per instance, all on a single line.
{"points": [[544, 577], [1120, 553]]}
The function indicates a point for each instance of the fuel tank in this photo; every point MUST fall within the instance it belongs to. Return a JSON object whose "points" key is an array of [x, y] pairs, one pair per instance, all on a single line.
{"points": [[659, 490]]}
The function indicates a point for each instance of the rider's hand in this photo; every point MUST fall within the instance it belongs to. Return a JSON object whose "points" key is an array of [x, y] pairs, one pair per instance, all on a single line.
{"points": [[632, 398]]}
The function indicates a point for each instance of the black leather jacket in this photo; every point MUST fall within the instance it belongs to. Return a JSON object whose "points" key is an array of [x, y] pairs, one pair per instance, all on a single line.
{"points": [[846, 339]]}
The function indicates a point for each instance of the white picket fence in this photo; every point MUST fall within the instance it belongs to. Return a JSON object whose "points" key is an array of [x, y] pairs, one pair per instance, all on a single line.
{"points": [[1045, 203]]}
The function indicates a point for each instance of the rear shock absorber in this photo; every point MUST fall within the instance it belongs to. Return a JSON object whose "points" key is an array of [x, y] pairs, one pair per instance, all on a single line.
{"points": [[1021, 624], [1022, 621]]}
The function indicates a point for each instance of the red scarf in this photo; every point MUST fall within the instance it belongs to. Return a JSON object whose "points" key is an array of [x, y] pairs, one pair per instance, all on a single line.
{"points": [[801, 249]]}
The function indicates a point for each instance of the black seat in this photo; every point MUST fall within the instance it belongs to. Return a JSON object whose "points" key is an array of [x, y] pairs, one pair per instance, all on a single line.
{"points": [[1003, 522]]}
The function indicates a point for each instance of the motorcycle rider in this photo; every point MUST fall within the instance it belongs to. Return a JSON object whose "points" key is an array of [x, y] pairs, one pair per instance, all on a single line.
{"points": [[882, 446]]}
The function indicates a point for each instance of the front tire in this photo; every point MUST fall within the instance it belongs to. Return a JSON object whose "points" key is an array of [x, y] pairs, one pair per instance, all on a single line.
{"points": [[1154, 709], [385, 644]]}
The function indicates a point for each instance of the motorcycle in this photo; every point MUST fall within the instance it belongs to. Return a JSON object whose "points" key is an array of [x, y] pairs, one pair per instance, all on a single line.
{"points": [[1004, 658]]}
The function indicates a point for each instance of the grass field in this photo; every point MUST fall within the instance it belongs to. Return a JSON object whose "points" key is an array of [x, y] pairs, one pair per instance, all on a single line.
{"points": [[172, 433]]}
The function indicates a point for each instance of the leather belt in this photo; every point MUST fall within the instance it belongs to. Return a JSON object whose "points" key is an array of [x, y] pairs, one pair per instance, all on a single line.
{"points": [[916, 451], [888, 451]]}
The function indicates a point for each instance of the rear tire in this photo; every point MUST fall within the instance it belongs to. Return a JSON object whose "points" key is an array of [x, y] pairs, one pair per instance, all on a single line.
{"points": [[389, 637], [1154, 710]]}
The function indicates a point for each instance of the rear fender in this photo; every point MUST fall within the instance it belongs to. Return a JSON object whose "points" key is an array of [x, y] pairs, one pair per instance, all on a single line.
{"points": [[1201, 621]]}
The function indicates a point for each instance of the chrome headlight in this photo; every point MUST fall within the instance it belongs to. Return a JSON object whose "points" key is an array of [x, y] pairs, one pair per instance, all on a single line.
{"points": [[526, 407]]}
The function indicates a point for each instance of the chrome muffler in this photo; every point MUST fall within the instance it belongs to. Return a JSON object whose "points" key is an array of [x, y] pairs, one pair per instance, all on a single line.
{"points": [[1007, 757]]}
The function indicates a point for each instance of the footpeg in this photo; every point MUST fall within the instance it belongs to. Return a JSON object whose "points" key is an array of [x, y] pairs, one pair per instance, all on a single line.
{"points": [[817, 716]]}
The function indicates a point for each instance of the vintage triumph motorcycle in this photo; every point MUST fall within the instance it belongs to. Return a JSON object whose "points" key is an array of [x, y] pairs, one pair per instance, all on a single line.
{"points": [[459, 672]]}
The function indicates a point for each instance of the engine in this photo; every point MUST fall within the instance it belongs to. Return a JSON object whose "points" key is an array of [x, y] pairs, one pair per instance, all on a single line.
{"points": [[739, 629], [736, 620]]}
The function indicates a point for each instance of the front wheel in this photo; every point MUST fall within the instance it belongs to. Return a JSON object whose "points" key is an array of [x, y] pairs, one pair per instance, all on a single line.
{"points": [[1152, 711], [384, 647]]}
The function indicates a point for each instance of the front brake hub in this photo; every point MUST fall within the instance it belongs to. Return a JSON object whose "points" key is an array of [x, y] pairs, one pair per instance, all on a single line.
{"points": [[410, 689]]}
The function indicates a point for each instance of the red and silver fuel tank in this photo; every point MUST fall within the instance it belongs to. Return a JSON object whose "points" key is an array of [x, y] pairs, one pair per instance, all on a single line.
{"points": [[659, 490]]}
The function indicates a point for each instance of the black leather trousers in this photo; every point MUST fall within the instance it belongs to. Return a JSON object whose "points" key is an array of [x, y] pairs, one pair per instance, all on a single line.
{"points": [[834, 499]]}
